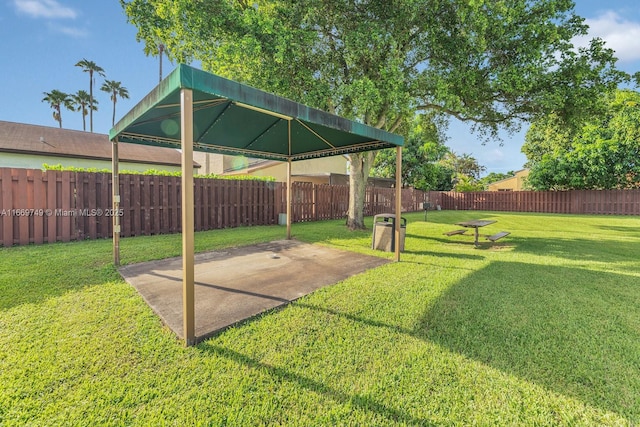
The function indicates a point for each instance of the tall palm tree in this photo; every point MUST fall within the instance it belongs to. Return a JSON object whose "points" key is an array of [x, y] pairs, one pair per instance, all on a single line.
{"points": [[57, 99], [90, 67], [116, 90], [81, 101]]}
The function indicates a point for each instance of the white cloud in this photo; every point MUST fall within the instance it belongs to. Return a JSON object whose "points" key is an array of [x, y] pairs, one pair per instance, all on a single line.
{"points": [[44, 9], [619, 34], [69, 31], [497, 154]]}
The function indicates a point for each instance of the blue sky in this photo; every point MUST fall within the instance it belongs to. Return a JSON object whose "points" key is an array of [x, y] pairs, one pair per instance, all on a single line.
{"points": [[41, 40]]}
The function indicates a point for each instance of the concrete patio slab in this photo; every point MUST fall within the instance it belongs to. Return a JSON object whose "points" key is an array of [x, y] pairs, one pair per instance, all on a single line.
{"points": [[235, 284]]}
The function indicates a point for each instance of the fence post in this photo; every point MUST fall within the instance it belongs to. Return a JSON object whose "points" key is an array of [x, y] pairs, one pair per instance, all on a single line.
{"points": [[7, 203], [289, 197], [398, 202], [115, 187], [315, 202]]}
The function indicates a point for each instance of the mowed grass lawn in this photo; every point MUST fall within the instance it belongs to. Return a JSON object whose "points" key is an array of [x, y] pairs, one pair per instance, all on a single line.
{"points": [[540, 328]]}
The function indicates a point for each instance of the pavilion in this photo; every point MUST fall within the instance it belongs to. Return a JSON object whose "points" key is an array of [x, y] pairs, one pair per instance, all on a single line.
{"points": [[194, 110]]}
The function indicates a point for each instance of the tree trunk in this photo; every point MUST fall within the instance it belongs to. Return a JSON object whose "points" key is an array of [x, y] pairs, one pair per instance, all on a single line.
{"points": [[91, 100], [358, 174], [113, 116]]}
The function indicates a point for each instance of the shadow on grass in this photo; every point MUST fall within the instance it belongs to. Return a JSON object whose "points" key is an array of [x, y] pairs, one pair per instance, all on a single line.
{"points": [[355, 318], [588, 249], [450, 217], [32, 274], [440, 255], [466, 240], [570, 330], [631, 230], [364, 402]]}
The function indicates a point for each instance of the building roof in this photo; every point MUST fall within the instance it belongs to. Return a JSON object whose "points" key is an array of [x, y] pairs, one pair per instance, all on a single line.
{"points": [[24, 138], [517, 174]]}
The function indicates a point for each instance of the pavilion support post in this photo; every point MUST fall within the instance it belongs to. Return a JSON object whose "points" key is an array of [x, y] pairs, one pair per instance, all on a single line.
{"points": [[188, 300], [398, 200], [289, 199], [115, 191]]}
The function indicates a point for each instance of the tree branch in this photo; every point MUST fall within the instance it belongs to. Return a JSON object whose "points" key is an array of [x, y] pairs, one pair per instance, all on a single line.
{"points": [[396, 123], [501, 118]]}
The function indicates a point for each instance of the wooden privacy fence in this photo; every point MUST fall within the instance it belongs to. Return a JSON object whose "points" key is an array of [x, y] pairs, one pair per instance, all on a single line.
{"points": [[312, 202], [604, 202], [50, 206], [38, 207]]}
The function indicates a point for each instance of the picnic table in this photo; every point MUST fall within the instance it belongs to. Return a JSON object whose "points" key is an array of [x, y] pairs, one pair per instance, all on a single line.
{"points": [[476, 224]]}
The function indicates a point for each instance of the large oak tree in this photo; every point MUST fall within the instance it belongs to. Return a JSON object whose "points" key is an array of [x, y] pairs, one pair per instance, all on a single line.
{"points": [[493, 63]]}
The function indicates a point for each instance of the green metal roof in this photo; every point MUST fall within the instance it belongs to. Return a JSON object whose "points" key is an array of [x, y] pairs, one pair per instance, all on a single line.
{"points": [[232, 118]]}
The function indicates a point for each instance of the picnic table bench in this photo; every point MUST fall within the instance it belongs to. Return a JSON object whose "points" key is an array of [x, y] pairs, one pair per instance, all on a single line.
{"points": [[451, 233], [476, 224], [497, 236]]}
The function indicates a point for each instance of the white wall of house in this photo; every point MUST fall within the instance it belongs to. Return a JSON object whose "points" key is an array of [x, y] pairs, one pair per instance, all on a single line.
{"points": [[323, 166], [29, 161]]}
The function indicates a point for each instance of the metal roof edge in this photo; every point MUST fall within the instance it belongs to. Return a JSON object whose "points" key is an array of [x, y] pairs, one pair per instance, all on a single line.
{"points": [[168, 85], [195, 79]]}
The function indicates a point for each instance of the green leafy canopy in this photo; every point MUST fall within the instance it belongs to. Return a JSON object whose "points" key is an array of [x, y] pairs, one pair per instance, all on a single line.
{"points": [[604, 153], [494, 64], [490, 62]]}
